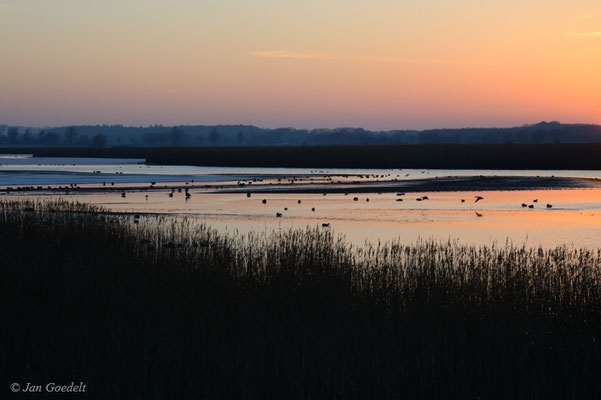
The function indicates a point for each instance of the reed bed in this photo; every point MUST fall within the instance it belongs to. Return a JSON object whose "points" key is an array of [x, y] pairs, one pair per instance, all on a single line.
{"points": [[173, 309]]}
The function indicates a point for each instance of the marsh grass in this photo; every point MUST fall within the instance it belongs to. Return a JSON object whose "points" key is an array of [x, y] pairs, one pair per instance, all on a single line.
{"points": [[173, 309]]}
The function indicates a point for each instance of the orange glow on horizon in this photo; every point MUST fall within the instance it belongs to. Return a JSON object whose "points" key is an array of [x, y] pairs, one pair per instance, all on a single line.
{"points": [[378, 65]]}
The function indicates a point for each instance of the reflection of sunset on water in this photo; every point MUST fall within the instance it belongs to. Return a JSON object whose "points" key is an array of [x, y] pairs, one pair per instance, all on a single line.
{"points": [[573, 218]]}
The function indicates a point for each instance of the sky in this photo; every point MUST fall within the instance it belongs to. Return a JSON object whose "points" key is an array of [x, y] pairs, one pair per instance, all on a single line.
{"points": [[377, 64]]}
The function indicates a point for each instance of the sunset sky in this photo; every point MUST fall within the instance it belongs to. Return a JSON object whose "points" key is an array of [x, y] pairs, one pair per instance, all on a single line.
{"points": [[378, 64]]}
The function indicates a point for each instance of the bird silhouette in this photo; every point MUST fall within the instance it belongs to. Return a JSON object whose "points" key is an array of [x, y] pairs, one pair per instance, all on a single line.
{"points": [[478, 198], [478, 214], [549, 205]]}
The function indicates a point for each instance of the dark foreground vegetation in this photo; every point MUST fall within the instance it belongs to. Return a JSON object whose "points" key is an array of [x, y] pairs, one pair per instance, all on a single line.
{"points": [[435, 156], [161, 309]]}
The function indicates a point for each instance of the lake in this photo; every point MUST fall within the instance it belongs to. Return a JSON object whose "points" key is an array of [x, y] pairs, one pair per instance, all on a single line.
{"points": [[218, 196]]}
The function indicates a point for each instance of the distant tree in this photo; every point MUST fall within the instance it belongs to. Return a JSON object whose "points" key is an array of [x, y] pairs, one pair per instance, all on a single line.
{"points": [[177, 135], [99, 140], [70, 135], [13, 135], [200, 138], [149, 139], [49, 138], [27, 138], [82, 140], [240, 138], [538, 136], [214, 136]]}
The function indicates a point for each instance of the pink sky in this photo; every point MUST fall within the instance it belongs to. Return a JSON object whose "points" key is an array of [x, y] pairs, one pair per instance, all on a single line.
{"points": [[376, 64]]}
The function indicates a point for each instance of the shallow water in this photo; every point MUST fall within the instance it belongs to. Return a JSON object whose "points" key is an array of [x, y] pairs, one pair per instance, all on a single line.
{"points": [[23, 170], [573, 219]]}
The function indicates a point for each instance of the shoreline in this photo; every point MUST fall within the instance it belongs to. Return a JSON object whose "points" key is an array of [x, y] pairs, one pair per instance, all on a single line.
{"points": [[271, 185], [557, 156], [450, 184]]}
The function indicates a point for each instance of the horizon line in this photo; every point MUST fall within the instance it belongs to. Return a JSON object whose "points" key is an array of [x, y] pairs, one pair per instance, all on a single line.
{"points": [[42, 127]]}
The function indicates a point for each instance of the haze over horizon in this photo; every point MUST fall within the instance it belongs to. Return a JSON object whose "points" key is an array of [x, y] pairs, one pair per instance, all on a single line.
{"points": [[309, 129], [379, 65]]}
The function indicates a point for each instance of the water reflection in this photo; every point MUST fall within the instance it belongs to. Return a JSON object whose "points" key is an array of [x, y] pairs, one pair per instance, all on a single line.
{"points": [[574, 218], [535, 217]]}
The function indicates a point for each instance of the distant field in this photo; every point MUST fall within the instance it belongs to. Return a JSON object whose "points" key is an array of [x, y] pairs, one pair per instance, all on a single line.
{"points": [[510, 156]]}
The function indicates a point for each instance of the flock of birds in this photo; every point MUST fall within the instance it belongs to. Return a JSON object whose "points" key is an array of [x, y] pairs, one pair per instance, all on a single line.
{"points": [[292, 180], [422, 198], [377, 177]]}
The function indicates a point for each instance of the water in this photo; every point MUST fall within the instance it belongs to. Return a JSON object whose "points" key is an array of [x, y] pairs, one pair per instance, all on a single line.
{"points": [[573, 219], [86, 170]]}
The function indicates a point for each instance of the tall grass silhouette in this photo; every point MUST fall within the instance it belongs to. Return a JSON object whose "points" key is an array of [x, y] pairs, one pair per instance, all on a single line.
{"points": [[170, 308]]}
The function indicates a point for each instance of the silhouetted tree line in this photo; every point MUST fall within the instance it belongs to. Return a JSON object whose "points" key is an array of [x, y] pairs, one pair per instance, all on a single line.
{"points": [[69, 136], [246, 135]]}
